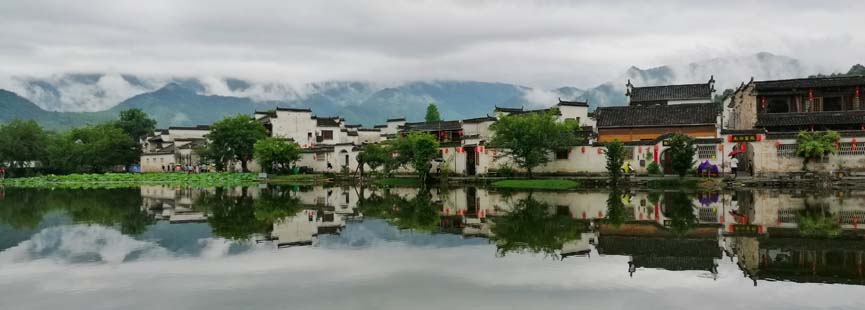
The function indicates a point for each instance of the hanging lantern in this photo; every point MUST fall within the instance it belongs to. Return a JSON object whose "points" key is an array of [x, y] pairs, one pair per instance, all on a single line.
{"points": [[743, 147], [730, 138], [640, 150], [477, 150], [810, 95], [758, 137], [460, 132], [763, 101], [583, 149], [853, 145], [494, 152], [482, 148], [486, 151], [442, 133], [777, 144], [304, 146], [599, 151], [446, 150]]}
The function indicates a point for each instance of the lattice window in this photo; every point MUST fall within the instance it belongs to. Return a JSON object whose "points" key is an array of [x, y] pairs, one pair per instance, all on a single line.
{"points": [[786, 150], [846, 149], [705, 151]]}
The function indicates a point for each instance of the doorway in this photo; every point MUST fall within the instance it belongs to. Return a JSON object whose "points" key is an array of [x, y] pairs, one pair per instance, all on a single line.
{"points": [[470, 159]]}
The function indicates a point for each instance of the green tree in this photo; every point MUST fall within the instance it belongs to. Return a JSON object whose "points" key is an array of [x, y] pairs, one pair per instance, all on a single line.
{"points": [[93, 148], [233, 138], [136, 124], [679, 209], [529, 138], [22, 142], [416, 149], [812, 145], [374, 155], [615, 159], [681, 151], [275, 154], [432, 113]]}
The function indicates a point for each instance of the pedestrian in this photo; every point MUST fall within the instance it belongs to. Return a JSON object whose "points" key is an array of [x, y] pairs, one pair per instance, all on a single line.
{"points": [[329, 166], [734, 166], [163, 168]]}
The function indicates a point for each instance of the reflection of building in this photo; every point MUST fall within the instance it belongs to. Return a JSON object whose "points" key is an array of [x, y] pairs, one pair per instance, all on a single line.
{"points": [[171, 204]]}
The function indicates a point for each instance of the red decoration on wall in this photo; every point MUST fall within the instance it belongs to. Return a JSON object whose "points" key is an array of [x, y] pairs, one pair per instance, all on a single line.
{"points": [[759, 137], [810, 95], [494, 152], [446, 151], [743, 147], [721, 147], [655, 154], [304, 145], [460, 132], [599, 151], [583, 149], [441, 133], [730, 138], [777, 144]]}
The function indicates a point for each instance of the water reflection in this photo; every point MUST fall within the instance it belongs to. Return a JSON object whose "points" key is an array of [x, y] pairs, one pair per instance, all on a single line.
{"points": [[768, 235]]}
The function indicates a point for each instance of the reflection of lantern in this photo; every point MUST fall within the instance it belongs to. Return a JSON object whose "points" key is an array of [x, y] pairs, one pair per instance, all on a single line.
{"points": [[853, 144], [810, 95], [460, 132], [856, 94], [583, 149], [763, 101]]}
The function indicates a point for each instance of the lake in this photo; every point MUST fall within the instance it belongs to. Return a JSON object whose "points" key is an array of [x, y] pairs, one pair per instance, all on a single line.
{"points": [[287, 247]]}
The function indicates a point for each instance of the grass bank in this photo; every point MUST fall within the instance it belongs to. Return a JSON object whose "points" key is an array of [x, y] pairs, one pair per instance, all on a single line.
{"points": [[296, 179], [397, 182], [120, 180], [556, 184]]}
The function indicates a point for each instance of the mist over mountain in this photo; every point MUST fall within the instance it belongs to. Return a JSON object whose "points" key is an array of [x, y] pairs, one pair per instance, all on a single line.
{"points": [[201, 100]]}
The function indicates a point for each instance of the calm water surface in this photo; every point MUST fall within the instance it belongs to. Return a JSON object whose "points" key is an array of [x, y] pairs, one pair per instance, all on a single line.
{"points": [[402, 248]]}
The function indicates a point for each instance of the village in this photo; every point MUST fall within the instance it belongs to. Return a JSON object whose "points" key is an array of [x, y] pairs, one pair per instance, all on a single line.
{"points": [[757, 125]]}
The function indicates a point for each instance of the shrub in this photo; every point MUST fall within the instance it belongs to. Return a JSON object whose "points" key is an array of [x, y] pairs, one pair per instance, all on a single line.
{"points": [[653, 168]]}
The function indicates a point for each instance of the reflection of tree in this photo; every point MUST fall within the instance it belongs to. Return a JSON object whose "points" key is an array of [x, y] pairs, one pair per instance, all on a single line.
{"points": [[24, 208], [680, 211], [275, 204], [817, 222], [530, 227], [417, 213], [616, 212], [233, 217]]}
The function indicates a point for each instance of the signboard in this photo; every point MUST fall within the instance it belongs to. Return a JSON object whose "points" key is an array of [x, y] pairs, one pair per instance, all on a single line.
{"points": [[744, 138], [745, 230]]}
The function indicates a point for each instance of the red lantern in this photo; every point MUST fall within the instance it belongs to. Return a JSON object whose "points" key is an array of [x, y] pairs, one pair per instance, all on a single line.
{"points": [[763, 101], [743, 147], [486, 151], [482, 149], [599, 150], [721, 147], [494, 152], [810, 95], [759, 137], [583, 149], [777, 144], [446, 151], [304, 145], [460, 132], [477, 149], [853, 144], [730, 138], [442, 133], [655, 155], [640, 150]]}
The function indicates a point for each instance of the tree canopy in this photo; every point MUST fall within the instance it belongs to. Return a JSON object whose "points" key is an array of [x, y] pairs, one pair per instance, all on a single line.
{"points": [[812, 145], [416, 149], [22, 142], [136, 123], [432, 113], [274, 154], [93, 148], [615, 154], [233, 138], [529, 138], [530, 227], [681, 151]]}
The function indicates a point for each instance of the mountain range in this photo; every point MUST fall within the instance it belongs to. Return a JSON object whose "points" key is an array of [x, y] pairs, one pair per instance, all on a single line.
{"points": [[69, 100]]}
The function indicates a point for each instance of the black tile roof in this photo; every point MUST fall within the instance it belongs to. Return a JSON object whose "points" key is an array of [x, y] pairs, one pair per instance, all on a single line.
{"points": [[327, 122], [198, 127], [369, 129], [810, 118], [573, 103], [294, 109], [400, 119], [480, 119], [353, 126], [838, 81], [380, 126], [508, 110], [352, 133], [671, 92], [433, 126], [656, 115]]}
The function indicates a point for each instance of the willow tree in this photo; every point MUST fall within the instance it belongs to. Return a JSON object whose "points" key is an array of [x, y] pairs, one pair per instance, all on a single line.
{"points": [[529, 138]]}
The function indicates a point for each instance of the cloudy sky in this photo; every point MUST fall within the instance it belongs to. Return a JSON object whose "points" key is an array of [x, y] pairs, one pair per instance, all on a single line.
{"points": [[536, 43]]}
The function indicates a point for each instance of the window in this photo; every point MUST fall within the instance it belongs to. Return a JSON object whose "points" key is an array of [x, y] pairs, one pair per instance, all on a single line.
{"points": [[629, 152], [706, 151], [846, 149], [831, 103], [327, 134], [777, 105], [786, 150], [562, 154]]}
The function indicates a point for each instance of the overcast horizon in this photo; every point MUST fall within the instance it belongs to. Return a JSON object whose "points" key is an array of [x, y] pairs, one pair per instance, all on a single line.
{"points": [[532, 43]]}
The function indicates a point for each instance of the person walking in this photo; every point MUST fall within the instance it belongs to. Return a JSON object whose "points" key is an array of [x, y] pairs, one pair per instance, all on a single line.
{"points": [[734, 166]]}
